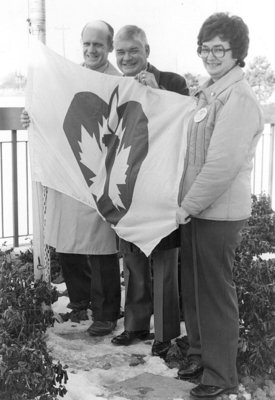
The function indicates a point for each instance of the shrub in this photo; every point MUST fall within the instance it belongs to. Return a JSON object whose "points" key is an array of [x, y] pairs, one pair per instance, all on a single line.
{"points": [[27, 256], [27, 370], [255, 283]]}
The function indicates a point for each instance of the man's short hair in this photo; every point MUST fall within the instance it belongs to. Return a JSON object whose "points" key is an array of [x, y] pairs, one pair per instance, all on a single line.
{"points": [[110, 37], [111, 32], [132, 31]]}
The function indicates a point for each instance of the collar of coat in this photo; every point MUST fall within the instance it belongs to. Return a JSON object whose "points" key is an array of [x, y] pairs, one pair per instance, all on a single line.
{"points": [[213, 89], [153, 70]]}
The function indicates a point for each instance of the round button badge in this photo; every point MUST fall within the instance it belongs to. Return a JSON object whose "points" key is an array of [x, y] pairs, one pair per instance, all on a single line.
{"points": [[200, 114]]}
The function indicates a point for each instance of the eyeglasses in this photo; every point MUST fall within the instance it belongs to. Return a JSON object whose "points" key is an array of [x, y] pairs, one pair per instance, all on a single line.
{"points": [[217, 51]]}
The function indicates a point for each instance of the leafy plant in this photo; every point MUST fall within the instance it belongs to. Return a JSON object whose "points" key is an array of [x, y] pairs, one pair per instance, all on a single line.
{"points": [[261, 78], [27, 370], [192, 82], [255, 283], [27, 256]]}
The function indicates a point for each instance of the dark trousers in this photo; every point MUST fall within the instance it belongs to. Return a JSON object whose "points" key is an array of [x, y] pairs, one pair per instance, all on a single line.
{"points": [[138, 293], [77, 276], [105, 287], [94, 278], [209, 296]]}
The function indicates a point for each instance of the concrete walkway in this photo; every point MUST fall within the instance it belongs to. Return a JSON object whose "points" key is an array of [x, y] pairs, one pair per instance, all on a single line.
{"points": [[99, 370], [153, 387]]}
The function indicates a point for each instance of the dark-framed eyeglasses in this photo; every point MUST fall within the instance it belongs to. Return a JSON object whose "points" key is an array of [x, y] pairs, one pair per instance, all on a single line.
{"points": [[217, 51]]}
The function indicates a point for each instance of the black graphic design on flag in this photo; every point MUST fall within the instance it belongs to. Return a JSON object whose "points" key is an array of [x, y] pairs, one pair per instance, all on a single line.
{"points": [[110, 142]]}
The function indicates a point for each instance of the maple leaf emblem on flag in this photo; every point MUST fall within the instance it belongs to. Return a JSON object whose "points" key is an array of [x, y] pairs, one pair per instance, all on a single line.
{"points": [[94, 156], [110, 142]]}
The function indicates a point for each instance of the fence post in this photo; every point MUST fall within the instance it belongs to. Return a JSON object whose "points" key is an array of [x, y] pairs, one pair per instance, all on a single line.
{"points": [[14, 187]]}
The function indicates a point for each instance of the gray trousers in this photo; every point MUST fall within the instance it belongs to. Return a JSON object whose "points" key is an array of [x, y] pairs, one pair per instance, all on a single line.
{"points": [[140, 298], [209, 296]]}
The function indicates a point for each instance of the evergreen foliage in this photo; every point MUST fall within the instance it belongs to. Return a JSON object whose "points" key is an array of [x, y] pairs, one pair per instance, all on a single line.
{"points": [[255, 283], [27, 370]]}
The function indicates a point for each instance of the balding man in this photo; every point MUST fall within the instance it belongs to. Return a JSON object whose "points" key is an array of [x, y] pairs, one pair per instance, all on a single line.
{"points": [[97, 43], [85, 243]]}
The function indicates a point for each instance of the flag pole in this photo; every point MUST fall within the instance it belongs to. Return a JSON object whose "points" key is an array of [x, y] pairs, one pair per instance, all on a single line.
{"points": [[41, 252]]}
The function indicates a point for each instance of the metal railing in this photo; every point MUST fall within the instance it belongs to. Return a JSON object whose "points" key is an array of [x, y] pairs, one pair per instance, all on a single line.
{"points": [[16, 185], [263, 177], [15, 216]]}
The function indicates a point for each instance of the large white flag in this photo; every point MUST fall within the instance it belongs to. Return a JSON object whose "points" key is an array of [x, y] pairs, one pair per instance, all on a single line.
{"points": [[108, 142]]}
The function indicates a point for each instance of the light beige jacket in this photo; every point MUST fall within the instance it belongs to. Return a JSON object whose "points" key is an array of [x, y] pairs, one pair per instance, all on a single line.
{"points": [[73, 227], [221, 147]]}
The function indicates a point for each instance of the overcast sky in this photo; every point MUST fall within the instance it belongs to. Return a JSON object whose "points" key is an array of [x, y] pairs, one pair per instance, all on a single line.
{"points": [[171, 26]]}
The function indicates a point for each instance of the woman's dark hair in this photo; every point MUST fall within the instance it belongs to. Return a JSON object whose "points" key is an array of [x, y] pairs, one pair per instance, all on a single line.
{"points": [[228, 28]]}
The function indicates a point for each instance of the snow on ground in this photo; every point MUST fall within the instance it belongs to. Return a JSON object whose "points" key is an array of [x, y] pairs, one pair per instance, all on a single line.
{"points": [[267, 256], [94, 362]]}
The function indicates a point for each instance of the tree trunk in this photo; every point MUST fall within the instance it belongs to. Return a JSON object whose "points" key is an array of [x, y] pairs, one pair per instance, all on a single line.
{"points": [[41, 253], [37, 19]]}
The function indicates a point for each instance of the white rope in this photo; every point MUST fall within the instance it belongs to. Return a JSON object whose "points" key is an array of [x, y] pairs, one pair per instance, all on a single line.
{"points": [[47, 254], [41, 251]]}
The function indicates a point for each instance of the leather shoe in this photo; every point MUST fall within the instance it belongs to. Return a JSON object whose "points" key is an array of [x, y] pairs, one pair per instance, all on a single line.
{"points": [[207, 391], [160, 349], [101, 328], [77, 306], [192, 369], [128, 337]]}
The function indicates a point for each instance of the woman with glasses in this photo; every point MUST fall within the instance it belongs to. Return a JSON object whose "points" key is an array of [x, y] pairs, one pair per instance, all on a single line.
{"points": [[216, 201]]}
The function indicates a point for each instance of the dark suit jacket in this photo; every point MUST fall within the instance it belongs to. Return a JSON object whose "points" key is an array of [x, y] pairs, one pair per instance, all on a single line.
{"points": [[169, 80]]}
